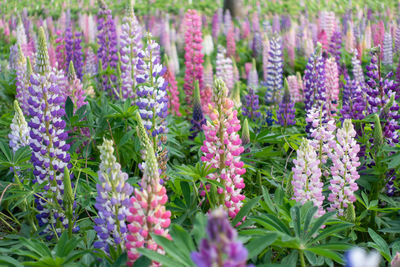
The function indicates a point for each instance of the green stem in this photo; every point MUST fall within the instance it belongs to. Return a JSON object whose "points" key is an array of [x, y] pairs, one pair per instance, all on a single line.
{"points": [[302, 260]]}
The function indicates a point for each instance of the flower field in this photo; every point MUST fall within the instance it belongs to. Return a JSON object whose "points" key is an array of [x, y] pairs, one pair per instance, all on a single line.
{"points": [[203, 133]]}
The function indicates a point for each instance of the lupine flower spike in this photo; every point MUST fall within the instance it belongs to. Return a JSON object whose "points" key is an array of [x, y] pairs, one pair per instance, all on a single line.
{"points": [[48, 141], [221, 247], [198, 119], [147, 213], [286, 111], [19, 136], [222, 149], [112, 201]]}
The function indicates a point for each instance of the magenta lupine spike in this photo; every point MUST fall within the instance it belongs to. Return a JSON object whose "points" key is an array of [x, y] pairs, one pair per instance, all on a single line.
{"points": [[323, 40], [193, 55], [245, 29], [60, 51], [222, 149], [344, 169], [307, 184], [148, 214], [130, 42], [173, 93], [231, 43], [378, 33], [224, 68], [332, 86], [48, 141]]}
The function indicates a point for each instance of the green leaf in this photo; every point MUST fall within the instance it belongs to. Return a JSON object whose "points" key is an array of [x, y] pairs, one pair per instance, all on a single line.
{"points": [[164, 260], [69, 108], [317, 224], [245, 210], [143, 261], [171, 249], [295, 213], [309, 216], [381, 244], [267, 199], [8, 261], [327, 253], [183, 240], [330, 231], [258, 244]]}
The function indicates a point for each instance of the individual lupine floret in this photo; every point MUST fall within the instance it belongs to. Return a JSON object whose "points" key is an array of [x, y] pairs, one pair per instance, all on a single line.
{"points": [[307, 184], [274, 82], [344, 169], [314, 79], [19, 136], [332, 86], [222, 149], [148, 214], [107, 52], [224, 68], [130, 43], [193, 55], [48, 141], [152, 98], [221, 247], [198, 119], [286, 111], [112, 201], [387, 49]]}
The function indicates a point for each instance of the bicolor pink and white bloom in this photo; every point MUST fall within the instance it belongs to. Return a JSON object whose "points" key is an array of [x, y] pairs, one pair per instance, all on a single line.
{"points": [[344, 168], [222, 149], [147, 213], [295, 88]]}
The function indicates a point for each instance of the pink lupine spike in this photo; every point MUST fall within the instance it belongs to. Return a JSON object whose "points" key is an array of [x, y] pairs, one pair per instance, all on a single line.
{"points": [[332, 86]]}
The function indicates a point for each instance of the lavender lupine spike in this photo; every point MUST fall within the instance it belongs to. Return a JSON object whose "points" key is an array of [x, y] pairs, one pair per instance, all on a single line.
{"points": [[357, 69], [274, 82], [112, 201], [251, 106], [332, 86], [152, 98], [19, 136], [91, 61], [107, 39], [314, 79], [21, 79], [307, 185], [48, 141], [130, 42], [224, 68], [344, 168], [387, 49], [286, 111], [221, 248], [252, 81], [397, 40]]}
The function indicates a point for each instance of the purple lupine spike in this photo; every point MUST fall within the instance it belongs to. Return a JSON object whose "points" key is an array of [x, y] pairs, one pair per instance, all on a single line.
{"points": [[48, 141], [357, 69], [91, 62], [107, 39], [152, 98], [257, 45], [198, 119], [274, 82], [215, 25], [69, 47], [314, 79], [354, 104], [335, 47], [221, 248], [130, 42], [286, 111], [78, 55], [276, 24], [251, 106], [112, 201], [21, 80]]}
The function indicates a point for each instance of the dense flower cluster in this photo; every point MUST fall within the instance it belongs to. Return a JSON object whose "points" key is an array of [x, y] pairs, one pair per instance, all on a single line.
{"points": [[130, 43], [193, 55], [221, 247], [222, 149], [112, 201], [147, 213]]}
